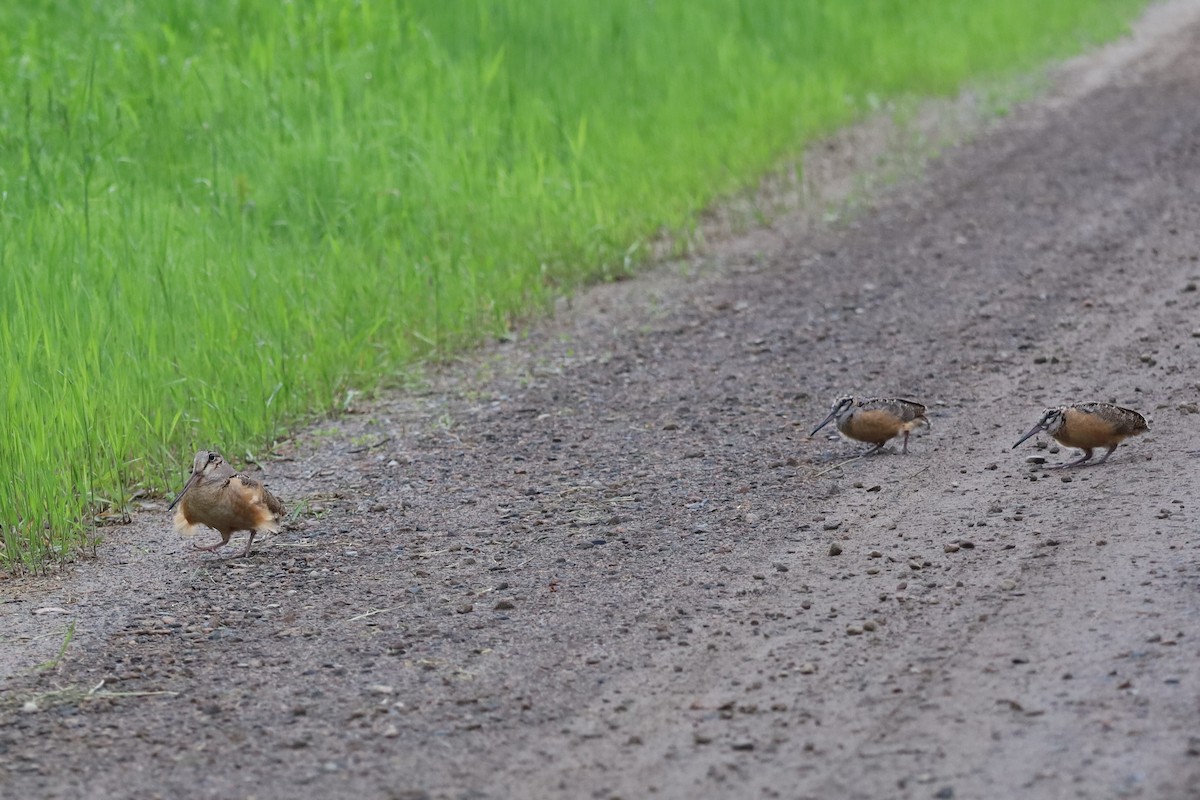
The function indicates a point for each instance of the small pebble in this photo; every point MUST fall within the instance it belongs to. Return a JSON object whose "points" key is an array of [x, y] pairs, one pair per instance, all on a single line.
{"points": [[854, 630], [870, 625], [950, 547], [832, 525], [875, 554], [835, 549], [807, 668], [1008, 584]]}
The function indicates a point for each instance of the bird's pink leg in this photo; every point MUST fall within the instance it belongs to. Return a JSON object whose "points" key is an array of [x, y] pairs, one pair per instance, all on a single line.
{"points": [[1087, 454]]}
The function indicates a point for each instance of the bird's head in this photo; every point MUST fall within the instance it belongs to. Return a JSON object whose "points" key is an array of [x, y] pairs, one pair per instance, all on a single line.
{"points": [[204, 464], [1051, 422], [841, 407]]}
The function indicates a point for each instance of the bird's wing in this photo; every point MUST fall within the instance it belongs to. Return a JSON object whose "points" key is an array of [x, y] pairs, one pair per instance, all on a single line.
{"points": [[904, 410], [273, 503], [1124, 420]]}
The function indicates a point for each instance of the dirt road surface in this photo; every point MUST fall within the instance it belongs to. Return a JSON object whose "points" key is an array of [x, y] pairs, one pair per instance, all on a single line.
{"points": [[597, 561]]}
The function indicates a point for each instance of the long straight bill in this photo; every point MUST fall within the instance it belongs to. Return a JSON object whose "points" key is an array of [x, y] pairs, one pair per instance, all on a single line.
{"points": [[824, 422], [1032, 431], [190, 482]]}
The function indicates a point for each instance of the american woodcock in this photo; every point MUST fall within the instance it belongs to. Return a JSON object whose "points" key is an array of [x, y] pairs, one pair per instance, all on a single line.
{"points": [[875, 420], [1087, 426], [220, 497]]}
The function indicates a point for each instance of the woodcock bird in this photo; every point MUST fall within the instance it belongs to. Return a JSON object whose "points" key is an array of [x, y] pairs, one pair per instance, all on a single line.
{"points": [[220, 497], [1087, 426], [875, 420]]}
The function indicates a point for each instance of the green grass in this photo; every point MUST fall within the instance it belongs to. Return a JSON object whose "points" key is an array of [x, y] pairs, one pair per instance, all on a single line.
{"points": [[218, 218]]}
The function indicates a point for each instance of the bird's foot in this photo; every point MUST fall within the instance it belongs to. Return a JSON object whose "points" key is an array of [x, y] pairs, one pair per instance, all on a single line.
{"points": [[1079, 462]]}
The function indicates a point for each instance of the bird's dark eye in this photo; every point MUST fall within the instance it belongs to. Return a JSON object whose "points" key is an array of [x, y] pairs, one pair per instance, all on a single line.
{"points": [[212, 456]]}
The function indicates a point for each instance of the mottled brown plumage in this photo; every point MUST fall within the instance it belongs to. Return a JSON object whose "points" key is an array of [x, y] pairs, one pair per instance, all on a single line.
{"points": [[1086, 426], [875, 420], [218, 496]]}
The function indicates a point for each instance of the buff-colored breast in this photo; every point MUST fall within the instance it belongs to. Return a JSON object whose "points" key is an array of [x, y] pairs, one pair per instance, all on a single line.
{"points": [[241, 504], [875, 426], [1086, 430]]}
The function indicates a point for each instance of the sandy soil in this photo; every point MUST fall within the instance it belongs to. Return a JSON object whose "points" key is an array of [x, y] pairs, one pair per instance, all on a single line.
{"points": [[596, 561]]}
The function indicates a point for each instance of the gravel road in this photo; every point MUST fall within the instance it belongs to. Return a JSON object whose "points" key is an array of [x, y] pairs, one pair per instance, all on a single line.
{"points": [[598, 560]]}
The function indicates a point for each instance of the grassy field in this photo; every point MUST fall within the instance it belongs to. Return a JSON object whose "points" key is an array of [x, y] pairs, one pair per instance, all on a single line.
{"points": [[217, 219]]}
